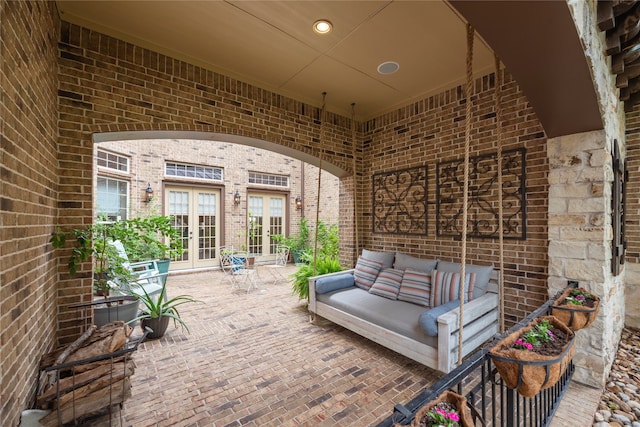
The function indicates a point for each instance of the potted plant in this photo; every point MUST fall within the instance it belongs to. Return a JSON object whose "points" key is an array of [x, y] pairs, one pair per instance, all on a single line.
{"points": [[535, 357], [576, 307], [448, 410], [108, 268], [157, 311], [297, 242], [326, 261], [153, 237]]}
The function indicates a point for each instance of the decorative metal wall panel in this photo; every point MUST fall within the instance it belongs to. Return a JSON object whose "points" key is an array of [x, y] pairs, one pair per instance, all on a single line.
{"points": [[482, 214], [400, 201]]}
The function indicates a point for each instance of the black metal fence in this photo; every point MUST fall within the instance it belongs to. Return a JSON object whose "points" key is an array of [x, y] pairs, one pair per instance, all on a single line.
{"points": [[490, 400]]}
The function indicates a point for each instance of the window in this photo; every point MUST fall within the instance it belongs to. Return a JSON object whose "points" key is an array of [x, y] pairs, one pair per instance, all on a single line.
{"points": [[269, 179], [192, 171], [113, 161], [113, 196]]}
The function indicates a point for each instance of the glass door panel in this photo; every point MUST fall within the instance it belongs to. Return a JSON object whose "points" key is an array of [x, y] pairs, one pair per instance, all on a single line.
{"points": [[266, 217], [188, 207]]}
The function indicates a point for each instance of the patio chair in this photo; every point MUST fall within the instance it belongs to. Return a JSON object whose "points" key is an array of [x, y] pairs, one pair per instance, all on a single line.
{"points": [[144, 275], [235, 268], [277, 268]]}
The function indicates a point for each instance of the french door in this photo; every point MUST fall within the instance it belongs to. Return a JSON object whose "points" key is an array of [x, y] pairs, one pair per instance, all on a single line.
{"points": [[196, 213], [265, 218]]}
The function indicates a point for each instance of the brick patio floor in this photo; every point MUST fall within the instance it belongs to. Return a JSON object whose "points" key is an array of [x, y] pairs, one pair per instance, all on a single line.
{"points": [[253, 359]]}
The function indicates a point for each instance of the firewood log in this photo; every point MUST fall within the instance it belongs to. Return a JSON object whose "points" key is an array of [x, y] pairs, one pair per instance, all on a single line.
{"points": [[88, 404]]}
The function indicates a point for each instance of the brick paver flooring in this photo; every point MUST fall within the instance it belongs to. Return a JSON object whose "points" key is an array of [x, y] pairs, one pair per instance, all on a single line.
{"points": [[253, 359]]}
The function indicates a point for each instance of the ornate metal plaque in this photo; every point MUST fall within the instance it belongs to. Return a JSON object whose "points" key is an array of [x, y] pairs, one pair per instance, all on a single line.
{"points": [[400, 201], [482, 214]]}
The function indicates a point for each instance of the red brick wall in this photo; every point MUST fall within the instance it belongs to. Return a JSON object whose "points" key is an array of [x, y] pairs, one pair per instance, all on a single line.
{"points": [[431, 131], [28, 189]]}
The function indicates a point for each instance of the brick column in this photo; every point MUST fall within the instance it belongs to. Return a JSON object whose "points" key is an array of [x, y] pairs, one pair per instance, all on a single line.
{"points": [[580, 176]]}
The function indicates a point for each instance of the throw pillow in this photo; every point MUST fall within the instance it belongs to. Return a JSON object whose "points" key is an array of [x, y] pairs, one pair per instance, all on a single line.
{"points": [[483, 274], [428, 320], [386, 258], [366, 272], [415, 287], [445, 286], [387, 283], [326, 284]]}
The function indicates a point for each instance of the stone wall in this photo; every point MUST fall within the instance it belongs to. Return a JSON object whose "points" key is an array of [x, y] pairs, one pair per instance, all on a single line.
{"points": [[28, 201]]}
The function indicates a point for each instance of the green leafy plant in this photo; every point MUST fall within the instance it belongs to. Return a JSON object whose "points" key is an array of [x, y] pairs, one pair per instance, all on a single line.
{"points": [[297, 242], [151, 237], [305, 271], [94, 241], [158, 307], [539, 334], [578, 297], [135, 234]]}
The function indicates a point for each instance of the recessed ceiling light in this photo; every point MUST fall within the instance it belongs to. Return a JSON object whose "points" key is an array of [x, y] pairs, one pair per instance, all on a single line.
{"points": [[388, 67], [322, 26]]}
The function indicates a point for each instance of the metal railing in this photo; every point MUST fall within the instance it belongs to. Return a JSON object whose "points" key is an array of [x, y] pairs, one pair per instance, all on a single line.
{"points": [[490, 400]]}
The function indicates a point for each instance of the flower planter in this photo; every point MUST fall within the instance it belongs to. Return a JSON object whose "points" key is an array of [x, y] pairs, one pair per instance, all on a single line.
{"points": [[575, 316], [158, 325], [529, 372], [459, 402]]}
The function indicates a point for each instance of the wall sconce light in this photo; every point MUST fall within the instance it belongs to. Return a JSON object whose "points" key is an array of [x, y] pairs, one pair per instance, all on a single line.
{"points": [[148, 194], [299, 203], [236, 198]]}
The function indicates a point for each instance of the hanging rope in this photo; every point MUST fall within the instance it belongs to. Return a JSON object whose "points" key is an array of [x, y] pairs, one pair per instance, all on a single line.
{"points": [[355, 178], [465, 199], [498, 85], [321, 155]]}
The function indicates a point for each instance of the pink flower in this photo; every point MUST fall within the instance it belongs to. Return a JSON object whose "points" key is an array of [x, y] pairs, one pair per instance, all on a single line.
{"points": [[528, 345], [454, 417]]}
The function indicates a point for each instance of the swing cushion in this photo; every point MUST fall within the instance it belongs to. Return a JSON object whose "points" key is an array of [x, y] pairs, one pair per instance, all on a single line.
{"points": [[408, 262], [428, 320], [386, 258]]}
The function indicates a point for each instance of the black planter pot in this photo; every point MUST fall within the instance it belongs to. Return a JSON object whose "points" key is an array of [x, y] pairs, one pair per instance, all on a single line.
{"points": [[157, 325]]}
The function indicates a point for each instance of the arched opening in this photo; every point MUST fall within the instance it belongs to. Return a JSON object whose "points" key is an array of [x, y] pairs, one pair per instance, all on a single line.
{"points": [[221, 190]]}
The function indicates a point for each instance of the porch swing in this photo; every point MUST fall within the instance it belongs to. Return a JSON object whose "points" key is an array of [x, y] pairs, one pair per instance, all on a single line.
{"points": [[481, 317]]}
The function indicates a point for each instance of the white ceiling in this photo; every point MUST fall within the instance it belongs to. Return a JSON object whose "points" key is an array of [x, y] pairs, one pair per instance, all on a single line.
{"points": [[271, 44]]}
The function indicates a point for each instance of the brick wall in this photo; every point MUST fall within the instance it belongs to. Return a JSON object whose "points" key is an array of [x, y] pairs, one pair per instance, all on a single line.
{"points": [[432, 130], [147, 167], [632, 224], [28, 188], [107, 85]]}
